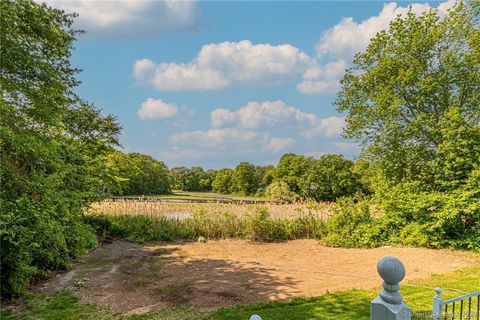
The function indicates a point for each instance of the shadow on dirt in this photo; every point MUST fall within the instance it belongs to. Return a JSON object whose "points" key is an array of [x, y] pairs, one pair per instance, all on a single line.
{"points": [[137, 278]]}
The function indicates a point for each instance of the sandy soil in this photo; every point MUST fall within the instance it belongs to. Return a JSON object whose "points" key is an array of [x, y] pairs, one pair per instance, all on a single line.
{"points": [[135, 278]]}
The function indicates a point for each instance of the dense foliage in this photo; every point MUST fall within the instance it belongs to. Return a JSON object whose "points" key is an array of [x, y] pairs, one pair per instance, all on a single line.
{"points": [[325, 179], [413, 101], [51, 146], [192, 179], [135, 174]]}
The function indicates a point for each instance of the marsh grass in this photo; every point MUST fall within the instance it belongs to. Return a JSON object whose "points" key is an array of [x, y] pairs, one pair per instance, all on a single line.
{"points": [[248, 222], [184, 210]]}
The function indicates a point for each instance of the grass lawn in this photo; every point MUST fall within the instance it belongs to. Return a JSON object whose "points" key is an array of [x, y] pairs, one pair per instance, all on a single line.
{"points": [[347, 305]]}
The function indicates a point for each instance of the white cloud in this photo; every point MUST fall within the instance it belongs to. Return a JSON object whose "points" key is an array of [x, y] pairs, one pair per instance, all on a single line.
{"points": [[256, 115], [327, 127], [220, 65], [323, 79], [129, 18], [349, 36], [220, 138], [278, 144], [341, 41], [316, 87], [156, 109]]}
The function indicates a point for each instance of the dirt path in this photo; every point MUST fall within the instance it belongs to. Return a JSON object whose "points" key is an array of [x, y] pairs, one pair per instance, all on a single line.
{"points": [[137, 278]]}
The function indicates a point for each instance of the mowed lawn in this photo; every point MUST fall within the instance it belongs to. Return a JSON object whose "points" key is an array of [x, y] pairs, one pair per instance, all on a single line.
{"points": [[347, 305]]}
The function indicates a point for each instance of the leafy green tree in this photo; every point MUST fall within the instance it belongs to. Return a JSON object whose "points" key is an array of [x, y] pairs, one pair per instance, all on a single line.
{"points": [[137, 174], [191, 179], [330, 177], [179, 178], [413, 100], [414, 88], [52, 143], [195, 177], [264, 175], [244, 179], [291, 169], [151, 176], [279, 190], [223, 181], [207, 180]]}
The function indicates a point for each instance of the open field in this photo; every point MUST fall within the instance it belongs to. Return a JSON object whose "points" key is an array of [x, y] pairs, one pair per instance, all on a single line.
{"points": [[186, 280]]}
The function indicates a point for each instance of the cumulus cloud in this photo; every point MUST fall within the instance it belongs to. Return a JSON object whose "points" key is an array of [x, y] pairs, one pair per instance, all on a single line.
{"points": [[327, 127], [256, 115], [156, 109], [349, 36], [278, 144], [343, 40], [129, 18], [220, 65], [323, 78], [220, 138]]}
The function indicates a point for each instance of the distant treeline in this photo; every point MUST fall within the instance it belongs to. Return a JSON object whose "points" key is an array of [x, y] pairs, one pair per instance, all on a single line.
{"points": [[295, 177]]}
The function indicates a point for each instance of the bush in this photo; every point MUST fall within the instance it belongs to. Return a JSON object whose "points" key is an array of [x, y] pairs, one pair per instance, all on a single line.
{"points": [[408, 217], [352, 225], [260, 227], [280, 190]]}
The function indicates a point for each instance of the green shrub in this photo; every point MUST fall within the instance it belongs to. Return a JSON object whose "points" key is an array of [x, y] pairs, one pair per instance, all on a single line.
{"points": [[260, 227], [351, 225], [279, 190]]}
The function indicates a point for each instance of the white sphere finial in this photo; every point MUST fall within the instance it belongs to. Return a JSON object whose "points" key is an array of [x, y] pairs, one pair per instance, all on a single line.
{"points": [[255, 317]]}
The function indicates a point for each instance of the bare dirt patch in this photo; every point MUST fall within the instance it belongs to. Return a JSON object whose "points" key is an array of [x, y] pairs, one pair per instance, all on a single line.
{"points": [[136, 278]]}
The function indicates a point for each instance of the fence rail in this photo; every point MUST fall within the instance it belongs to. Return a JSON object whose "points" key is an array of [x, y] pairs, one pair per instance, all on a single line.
{"points": [[445, 309]]}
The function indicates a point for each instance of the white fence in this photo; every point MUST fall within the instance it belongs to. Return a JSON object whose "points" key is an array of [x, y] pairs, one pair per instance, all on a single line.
{"points": [[445, 309]]}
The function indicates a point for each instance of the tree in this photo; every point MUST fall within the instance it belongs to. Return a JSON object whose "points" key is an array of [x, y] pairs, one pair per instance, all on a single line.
{"points": [[279, 190], [207, 180], [179, 177], [402, 92], [52, 143], [223, 181], [264, 176], [136, 174], [329, 178], [193, 179], [151, 176], [291, 169], [244, 179], [413, 101]]}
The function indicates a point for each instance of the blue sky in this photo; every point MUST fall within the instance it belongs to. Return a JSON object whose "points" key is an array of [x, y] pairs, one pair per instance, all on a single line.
{"points": [[214, 83]]}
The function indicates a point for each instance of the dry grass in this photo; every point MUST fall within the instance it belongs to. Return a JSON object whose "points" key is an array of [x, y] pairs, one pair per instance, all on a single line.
{"points": [[185, 210]]}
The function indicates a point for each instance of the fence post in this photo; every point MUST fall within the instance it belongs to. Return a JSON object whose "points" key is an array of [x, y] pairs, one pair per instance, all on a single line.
{"points": [[389, 304], [437, 304]]}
